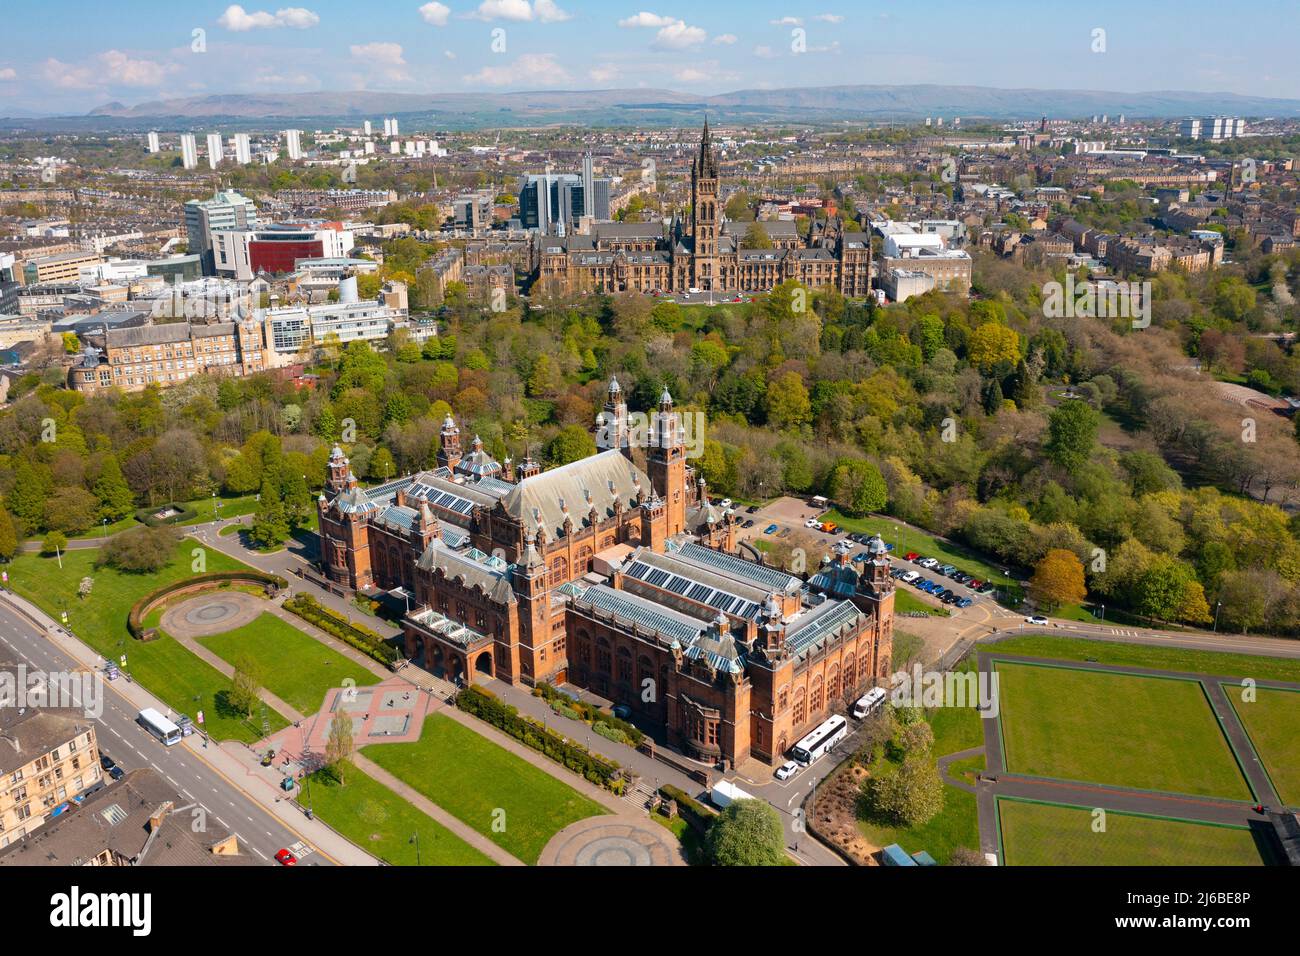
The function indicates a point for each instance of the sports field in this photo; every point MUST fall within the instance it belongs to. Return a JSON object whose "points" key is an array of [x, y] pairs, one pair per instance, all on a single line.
{"points": [[1117, 729], [1037, 834], [1272, 722]]}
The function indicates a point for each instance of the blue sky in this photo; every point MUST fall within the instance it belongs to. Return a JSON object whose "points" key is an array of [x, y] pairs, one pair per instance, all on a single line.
{"points": [[72, 55]]}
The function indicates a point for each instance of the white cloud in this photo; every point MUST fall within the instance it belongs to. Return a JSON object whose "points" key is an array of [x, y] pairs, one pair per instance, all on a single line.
{"points": [[787, 22], [8, 73], [547, 11], [764, 52], [678, 36], [239, 20], [644, 19], [386, 59], [689, 74], [725, 39], [449, 54], [673, 34], [604, 73], [829, 18], [531, 69], [543, 11], [435, 13], [121, 68]]}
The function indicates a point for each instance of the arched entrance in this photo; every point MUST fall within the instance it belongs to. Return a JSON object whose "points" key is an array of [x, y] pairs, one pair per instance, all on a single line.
{"points": [[483, 663]]}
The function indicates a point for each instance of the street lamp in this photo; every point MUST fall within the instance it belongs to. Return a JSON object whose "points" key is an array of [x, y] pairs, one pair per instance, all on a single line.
{"points": [[1217, 605], [415, 838], [105, 534]]}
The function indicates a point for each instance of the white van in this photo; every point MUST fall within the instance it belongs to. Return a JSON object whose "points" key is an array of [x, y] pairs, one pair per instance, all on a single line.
{"points": [[869, 703]]}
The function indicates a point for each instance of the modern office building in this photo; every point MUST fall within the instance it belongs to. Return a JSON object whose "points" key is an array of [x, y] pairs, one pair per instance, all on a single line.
{"points": [[243, 253], [227, 210], [154, 145]]}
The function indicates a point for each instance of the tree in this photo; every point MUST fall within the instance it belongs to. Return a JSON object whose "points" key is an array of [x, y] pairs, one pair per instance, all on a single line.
{"points": [[756, 237], [991, 345], [1072, 432], [246, 687], [114, 494], [1058, 579], [8, 535], [270, 522], [747, 833], [71, 510], [140, 550], [910, 796], [857, 486], [338, 749], [56, 542], [572, 443], [787, 402]]}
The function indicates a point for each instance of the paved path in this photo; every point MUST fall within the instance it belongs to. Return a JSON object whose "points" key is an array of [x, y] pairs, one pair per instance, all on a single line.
{"points": [[600, 841], [944, 761]]}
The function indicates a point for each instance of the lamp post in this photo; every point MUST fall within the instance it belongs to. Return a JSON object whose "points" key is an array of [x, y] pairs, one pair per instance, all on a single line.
{"points": [[415, 838], [1217, 605], [105, 534]]}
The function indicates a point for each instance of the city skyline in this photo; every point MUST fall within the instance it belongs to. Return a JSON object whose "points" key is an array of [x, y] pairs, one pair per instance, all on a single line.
{"points": [[499, 46]]}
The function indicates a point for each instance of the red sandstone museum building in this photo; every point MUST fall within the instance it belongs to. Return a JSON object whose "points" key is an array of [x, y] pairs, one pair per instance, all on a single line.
{"points": [[615, 578]]}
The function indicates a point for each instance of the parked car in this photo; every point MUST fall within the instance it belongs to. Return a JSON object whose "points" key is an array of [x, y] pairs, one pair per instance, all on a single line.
{"points": [[974, 584], [285, 858], [785, 533], [770, 529], [748, 523], [860, 557], [116, 773], [964, 602], [787, 770], [895, 572], [911, 556], [621, 711], [752, 510], [106, 762], [928, 563], [986, 587], [812, 523], [1036, 619], [909, 577], [947, 570], [185, 725], [951, 597]]}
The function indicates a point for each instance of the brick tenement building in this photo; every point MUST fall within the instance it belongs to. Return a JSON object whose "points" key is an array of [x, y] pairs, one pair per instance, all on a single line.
{"points": [[614, 577], [167, 354], [702, 253]]}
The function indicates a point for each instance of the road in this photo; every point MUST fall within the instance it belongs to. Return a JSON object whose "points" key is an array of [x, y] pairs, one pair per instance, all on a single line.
{"points": [[183, 766]]}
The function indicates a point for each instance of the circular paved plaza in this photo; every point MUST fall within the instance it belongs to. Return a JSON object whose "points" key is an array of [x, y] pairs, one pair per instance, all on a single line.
{"points": [[612, 841], [212, 613]]}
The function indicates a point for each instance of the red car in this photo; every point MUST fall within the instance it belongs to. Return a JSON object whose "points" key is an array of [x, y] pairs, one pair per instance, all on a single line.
{"points": [[285, 858], [912, 555], [974, 584]]}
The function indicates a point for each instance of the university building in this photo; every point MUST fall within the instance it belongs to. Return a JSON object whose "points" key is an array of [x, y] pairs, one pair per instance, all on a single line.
{"points": [[704, 252], [614, 577]]}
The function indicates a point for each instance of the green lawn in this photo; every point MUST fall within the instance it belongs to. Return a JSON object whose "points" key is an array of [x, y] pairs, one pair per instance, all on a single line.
{"points": [[1117, 729], [382, 823], [905, 601], [296, 667], [514, 804], [907, 539], [165, 668], [1272, 721], [1036, 834], [1143, 655]]}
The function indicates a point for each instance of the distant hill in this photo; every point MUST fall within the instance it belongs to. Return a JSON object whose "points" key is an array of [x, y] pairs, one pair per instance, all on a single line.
{"points": [[666, 107]]}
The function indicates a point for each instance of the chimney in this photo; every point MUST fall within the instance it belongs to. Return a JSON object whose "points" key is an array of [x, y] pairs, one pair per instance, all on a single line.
{"points": [[156, 818], [348, 290]]}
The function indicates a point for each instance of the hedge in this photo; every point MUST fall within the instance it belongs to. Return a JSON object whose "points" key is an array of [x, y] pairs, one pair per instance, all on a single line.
{"points": [[630, 733], [355, 635], [489, 708], [696, 814], [141, 608], [184, 513]]}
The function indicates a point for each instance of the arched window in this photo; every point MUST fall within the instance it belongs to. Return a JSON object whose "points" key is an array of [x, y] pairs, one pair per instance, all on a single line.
{"points": [[800, 707], [559, 572], [602, 655], [833, 684], [783, 699], [815, 699]]}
